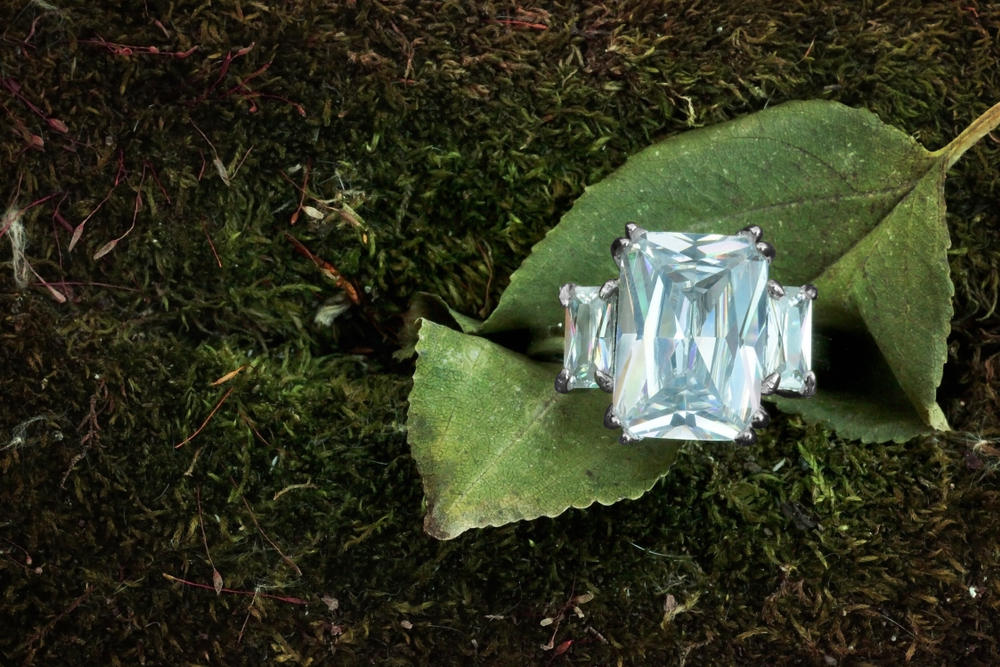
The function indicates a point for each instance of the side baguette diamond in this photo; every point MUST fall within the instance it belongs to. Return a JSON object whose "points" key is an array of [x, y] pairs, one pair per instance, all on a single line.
{"points": [[589, 336], [789, 343]]}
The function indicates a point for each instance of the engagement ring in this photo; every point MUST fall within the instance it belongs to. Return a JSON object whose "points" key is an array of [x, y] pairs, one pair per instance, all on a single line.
{"points": [[689, 336]]}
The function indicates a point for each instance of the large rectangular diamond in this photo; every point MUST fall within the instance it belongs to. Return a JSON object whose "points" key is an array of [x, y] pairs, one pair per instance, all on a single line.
{"points": [[789, 339], [589, 336], [690, 339]]}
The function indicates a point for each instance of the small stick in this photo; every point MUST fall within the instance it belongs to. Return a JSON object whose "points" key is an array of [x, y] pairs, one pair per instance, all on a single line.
{"points": [[157, 179], [254, 428], [228, 376], [280, 598], [208, 419], [64, 283], [216, 577], [327, 269], [237, 170], [204, 226], [27, 556], [246, 620], [269, 540]]}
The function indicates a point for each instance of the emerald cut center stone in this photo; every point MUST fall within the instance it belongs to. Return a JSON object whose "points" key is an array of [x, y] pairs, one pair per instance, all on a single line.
{"points": [[690, 341]]}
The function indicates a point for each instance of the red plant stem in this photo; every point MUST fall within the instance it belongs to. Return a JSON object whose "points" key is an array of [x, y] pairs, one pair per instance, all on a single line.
{"points": [[243, 82], [201, 521], [254, 428], [223, 70], [269, 540], [157, 179], [78, 231], [15, 90], [211, 245], [208, 419], [128, 50], [280, 598], [91, 284]]}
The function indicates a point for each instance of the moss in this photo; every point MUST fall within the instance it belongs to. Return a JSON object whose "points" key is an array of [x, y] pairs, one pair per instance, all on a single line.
{"points": [[442, 140]]}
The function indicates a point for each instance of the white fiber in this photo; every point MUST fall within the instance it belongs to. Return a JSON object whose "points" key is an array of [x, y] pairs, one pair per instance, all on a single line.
{"points": [[15, 232]]}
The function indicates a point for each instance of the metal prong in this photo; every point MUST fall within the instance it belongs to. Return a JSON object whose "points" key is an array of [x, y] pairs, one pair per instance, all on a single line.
{"points": [[809, 291], [608, 289], [767, 250], [775, 289], [566, 293], [634, 232], [746, 437], [770, 384], [562, 381], [753, 231], [618, 248], [760, 418], [810, 382], [611, 419], [626, 439], [604, 381]]}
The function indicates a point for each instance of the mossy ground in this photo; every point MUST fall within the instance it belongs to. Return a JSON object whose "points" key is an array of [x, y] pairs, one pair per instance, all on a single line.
{"points": [[445, 139]]}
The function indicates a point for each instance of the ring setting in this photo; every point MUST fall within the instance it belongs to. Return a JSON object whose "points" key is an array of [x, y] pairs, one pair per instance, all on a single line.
{"points": [[689, 337]]}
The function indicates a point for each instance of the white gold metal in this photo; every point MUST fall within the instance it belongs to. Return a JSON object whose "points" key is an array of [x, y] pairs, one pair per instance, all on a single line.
{"points": [[746, 437], [562, 381], [605, 381], [770, 384], [566, 294], [611, 421]]}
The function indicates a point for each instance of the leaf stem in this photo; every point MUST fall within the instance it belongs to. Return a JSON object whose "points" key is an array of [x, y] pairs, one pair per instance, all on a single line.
{"points": [[968, 138]]}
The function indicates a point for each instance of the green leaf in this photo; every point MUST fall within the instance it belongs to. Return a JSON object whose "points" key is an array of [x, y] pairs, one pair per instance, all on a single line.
{"points": [[851, 204], [494, 443]]}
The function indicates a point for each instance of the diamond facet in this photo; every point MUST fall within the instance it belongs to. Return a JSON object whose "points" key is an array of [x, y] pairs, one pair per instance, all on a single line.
{"points": [[789, 339], [589, 336], [691, 336]]}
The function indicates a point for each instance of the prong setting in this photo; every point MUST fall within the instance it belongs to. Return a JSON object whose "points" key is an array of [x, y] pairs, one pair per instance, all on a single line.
{"points": [[605, 381], [611, 420], [634, 232], [746, 437], [562, 381], [618, 248], [760, 418], [774, 289], [810, 382], [809, 291], [770, 384], [767, 250], [626, 439], [566, 294], [752, 231], [609, 289]]}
